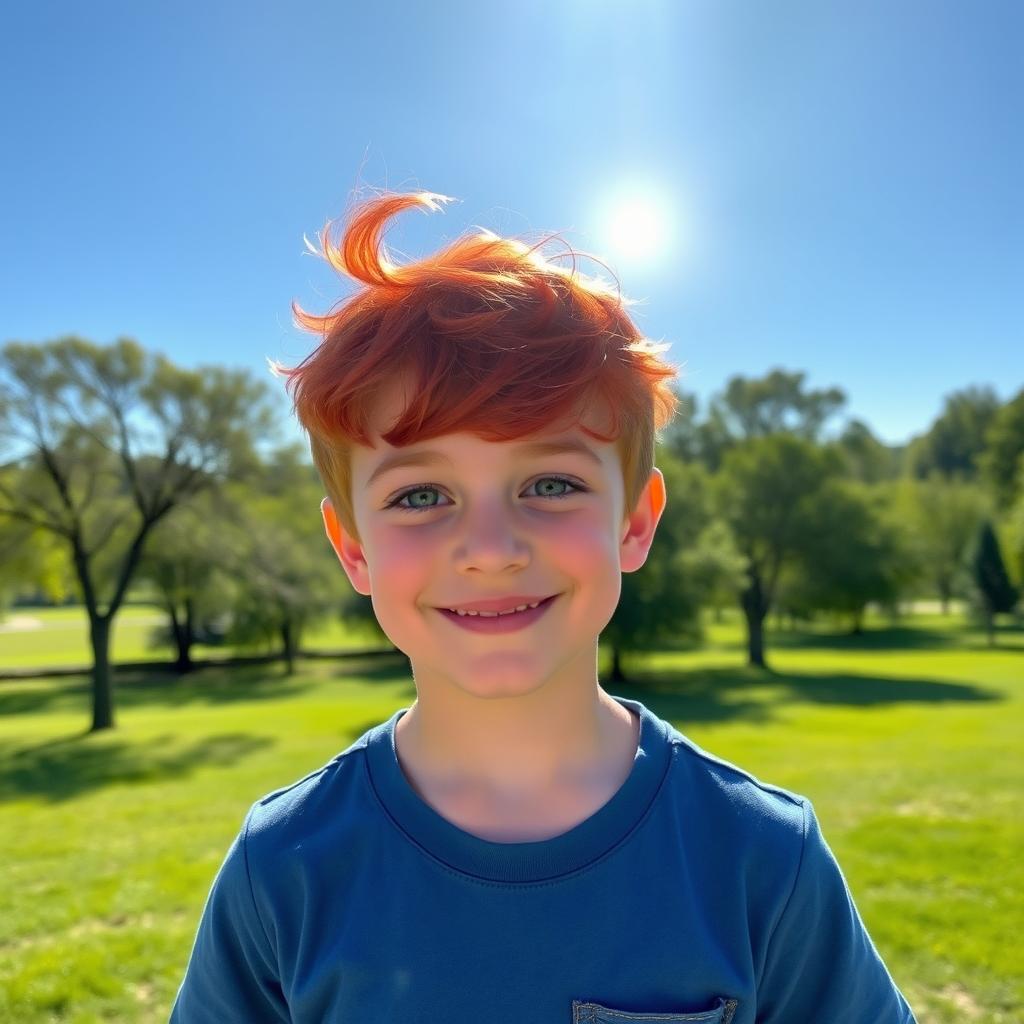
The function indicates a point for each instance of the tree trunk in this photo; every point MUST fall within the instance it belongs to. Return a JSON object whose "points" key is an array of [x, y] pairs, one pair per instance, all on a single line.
{"points": [[182, 630], [858, 622], [288, 647], [102, 685], [990, 626], [945, 592], [755, 639], [754, 611], [617, 676]]}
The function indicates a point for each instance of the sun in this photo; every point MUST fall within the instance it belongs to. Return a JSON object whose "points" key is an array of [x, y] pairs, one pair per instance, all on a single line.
{"points": [[638, 227]]}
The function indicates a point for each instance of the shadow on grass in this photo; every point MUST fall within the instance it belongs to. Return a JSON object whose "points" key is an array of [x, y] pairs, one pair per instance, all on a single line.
{"points": [[68, 766], [712, 695], [891, 638], [211, 685], [64, 768], [898, 637]]}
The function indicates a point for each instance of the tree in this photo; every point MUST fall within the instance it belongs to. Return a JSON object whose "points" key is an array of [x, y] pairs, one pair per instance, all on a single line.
{"points": [[189, 559], [775, 404], [764, 492], [714, 437], [714, 566], [1002, 462], [957, 436], [681, 438], [995, 589], [286, 572], [108, 441], [659, 603], [852, 553], [748, 408], [31, 562], [864, 456], [943, 516], [1015, 533]]}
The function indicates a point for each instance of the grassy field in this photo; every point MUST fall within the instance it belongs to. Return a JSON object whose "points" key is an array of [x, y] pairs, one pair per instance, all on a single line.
{"points": [[58, 637], [907, 739]]}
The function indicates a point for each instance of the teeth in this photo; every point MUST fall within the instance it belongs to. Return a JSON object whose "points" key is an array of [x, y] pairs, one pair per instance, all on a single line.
{"points": [[494, 615]]}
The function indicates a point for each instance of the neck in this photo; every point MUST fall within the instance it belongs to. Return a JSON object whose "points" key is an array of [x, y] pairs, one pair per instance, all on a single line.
{"points": [[514, 749]]}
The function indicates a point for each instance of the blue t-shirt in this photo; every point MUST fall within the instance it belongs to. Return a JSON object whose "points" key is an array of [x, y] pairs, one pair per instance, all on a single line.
{"points": [[696, 893]]}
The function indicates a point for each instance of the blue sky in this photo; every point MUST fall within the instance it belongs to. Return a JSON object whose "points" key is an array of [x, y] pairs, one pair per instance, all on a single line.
{"points": [[836, 187]]}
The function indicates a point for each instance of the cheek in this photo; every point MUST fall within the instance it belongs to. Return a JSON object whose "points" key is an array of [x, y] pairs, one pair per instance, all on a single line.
{"points": [[405, 556], [583, 537], [400, 555]]}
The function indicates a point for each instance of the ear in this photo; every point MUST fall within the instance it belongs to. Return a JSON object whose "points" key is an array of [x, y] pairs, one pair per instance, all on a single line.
{"points": [[638, 530], [349, 552]]}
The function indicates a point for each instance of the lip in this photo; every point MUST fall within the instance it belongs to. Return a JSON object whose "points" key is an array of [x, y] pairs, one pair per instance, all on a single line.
{"points": [[495, 604], [499, 623]]}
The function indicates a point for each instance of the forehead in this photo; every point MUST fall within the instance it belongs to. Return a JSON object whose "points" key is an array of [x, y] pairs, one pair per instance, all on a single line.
{"points": [[563, 437]]}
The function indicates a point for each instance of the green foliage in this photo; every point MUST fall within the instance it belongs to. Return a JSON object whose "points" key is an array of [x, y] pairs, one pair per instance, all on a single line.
{"points": [[957, 438], [107, 440], [1015, 539], [864, 457], [990, 576], [942, 517], [191, 559], [775, 404], [1002, 462], [713, 567], [749, 408], [287, 574], [681, 437], [32, 562], [659, 603], [852, 553], [766, 492]]}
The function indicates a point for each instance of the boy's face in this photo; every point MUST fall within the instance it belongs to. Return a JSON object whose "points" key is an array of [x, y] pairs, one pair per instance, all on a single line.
{"points": [[492, 524]]}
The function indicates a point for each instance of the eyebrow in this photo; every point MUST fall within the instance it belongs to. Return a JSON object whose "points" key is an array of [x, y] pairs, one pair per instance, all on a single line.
{"points": [[432, 458]]}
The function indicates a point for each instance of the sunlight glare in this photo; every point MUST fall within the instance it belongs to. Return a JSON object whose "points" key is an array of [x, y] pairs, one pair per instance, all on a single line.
{"points": [[637, 227]]}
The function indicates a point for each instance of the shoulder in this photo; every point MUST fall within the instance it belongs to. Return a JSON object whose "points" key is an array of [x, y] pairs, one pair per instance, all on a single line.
{"points": [[750, 839], [293, 816], [752, 818], [727, 788]]}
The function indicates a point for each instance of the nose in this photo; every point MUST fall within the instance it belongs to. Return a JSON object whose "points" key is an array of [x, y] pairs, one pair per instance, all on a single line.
{"points": [[490, 540]]}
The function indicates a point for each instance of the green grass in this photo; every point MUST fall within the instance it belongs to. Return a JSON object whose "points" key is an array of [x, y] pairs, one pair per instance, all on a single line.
{"points": [[907, 740], [59, 637]]}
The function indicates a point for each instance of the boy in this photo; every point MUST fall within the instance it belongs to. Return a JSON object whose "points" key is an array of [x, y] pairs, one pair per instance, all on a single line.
{"points": [[518, 846]]}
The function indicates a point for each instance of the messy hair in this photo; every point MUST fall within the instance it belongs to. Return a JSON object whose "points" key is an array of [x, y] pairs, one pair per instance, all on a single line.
{"points": [[498, 341]]}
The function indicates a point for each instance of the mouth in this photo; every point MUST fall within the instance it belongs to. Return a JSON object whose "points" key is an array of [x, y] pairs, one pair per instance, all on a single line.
{"points": [[506, 622], [493, 615]]}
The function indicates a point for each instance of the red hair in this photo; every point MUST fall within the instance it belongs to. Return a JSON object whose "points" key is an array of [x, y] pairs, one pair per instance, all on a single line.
{"points": [[499, 341]]}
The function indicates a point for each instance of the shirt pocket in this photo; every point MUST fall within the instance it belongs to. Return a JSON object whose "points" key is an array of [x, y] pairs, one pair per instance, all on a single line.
{"points": [[594, 1013]]}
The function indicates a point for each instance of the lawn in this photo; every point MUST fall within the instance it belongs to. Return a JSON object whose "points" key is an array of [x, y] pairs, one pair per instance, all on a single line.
{"points": [[58, 637], [907, 739]]}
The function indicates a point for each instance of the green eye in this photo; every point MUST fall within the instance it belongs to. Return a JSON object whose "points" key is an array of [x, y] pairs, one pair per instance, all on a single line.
{"points": [[419, 489]]}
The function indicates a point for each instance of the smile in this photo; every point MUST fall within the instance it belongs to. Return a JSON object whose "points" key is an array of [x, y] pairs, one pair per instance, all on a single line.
{"points": [[499, 622]]}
